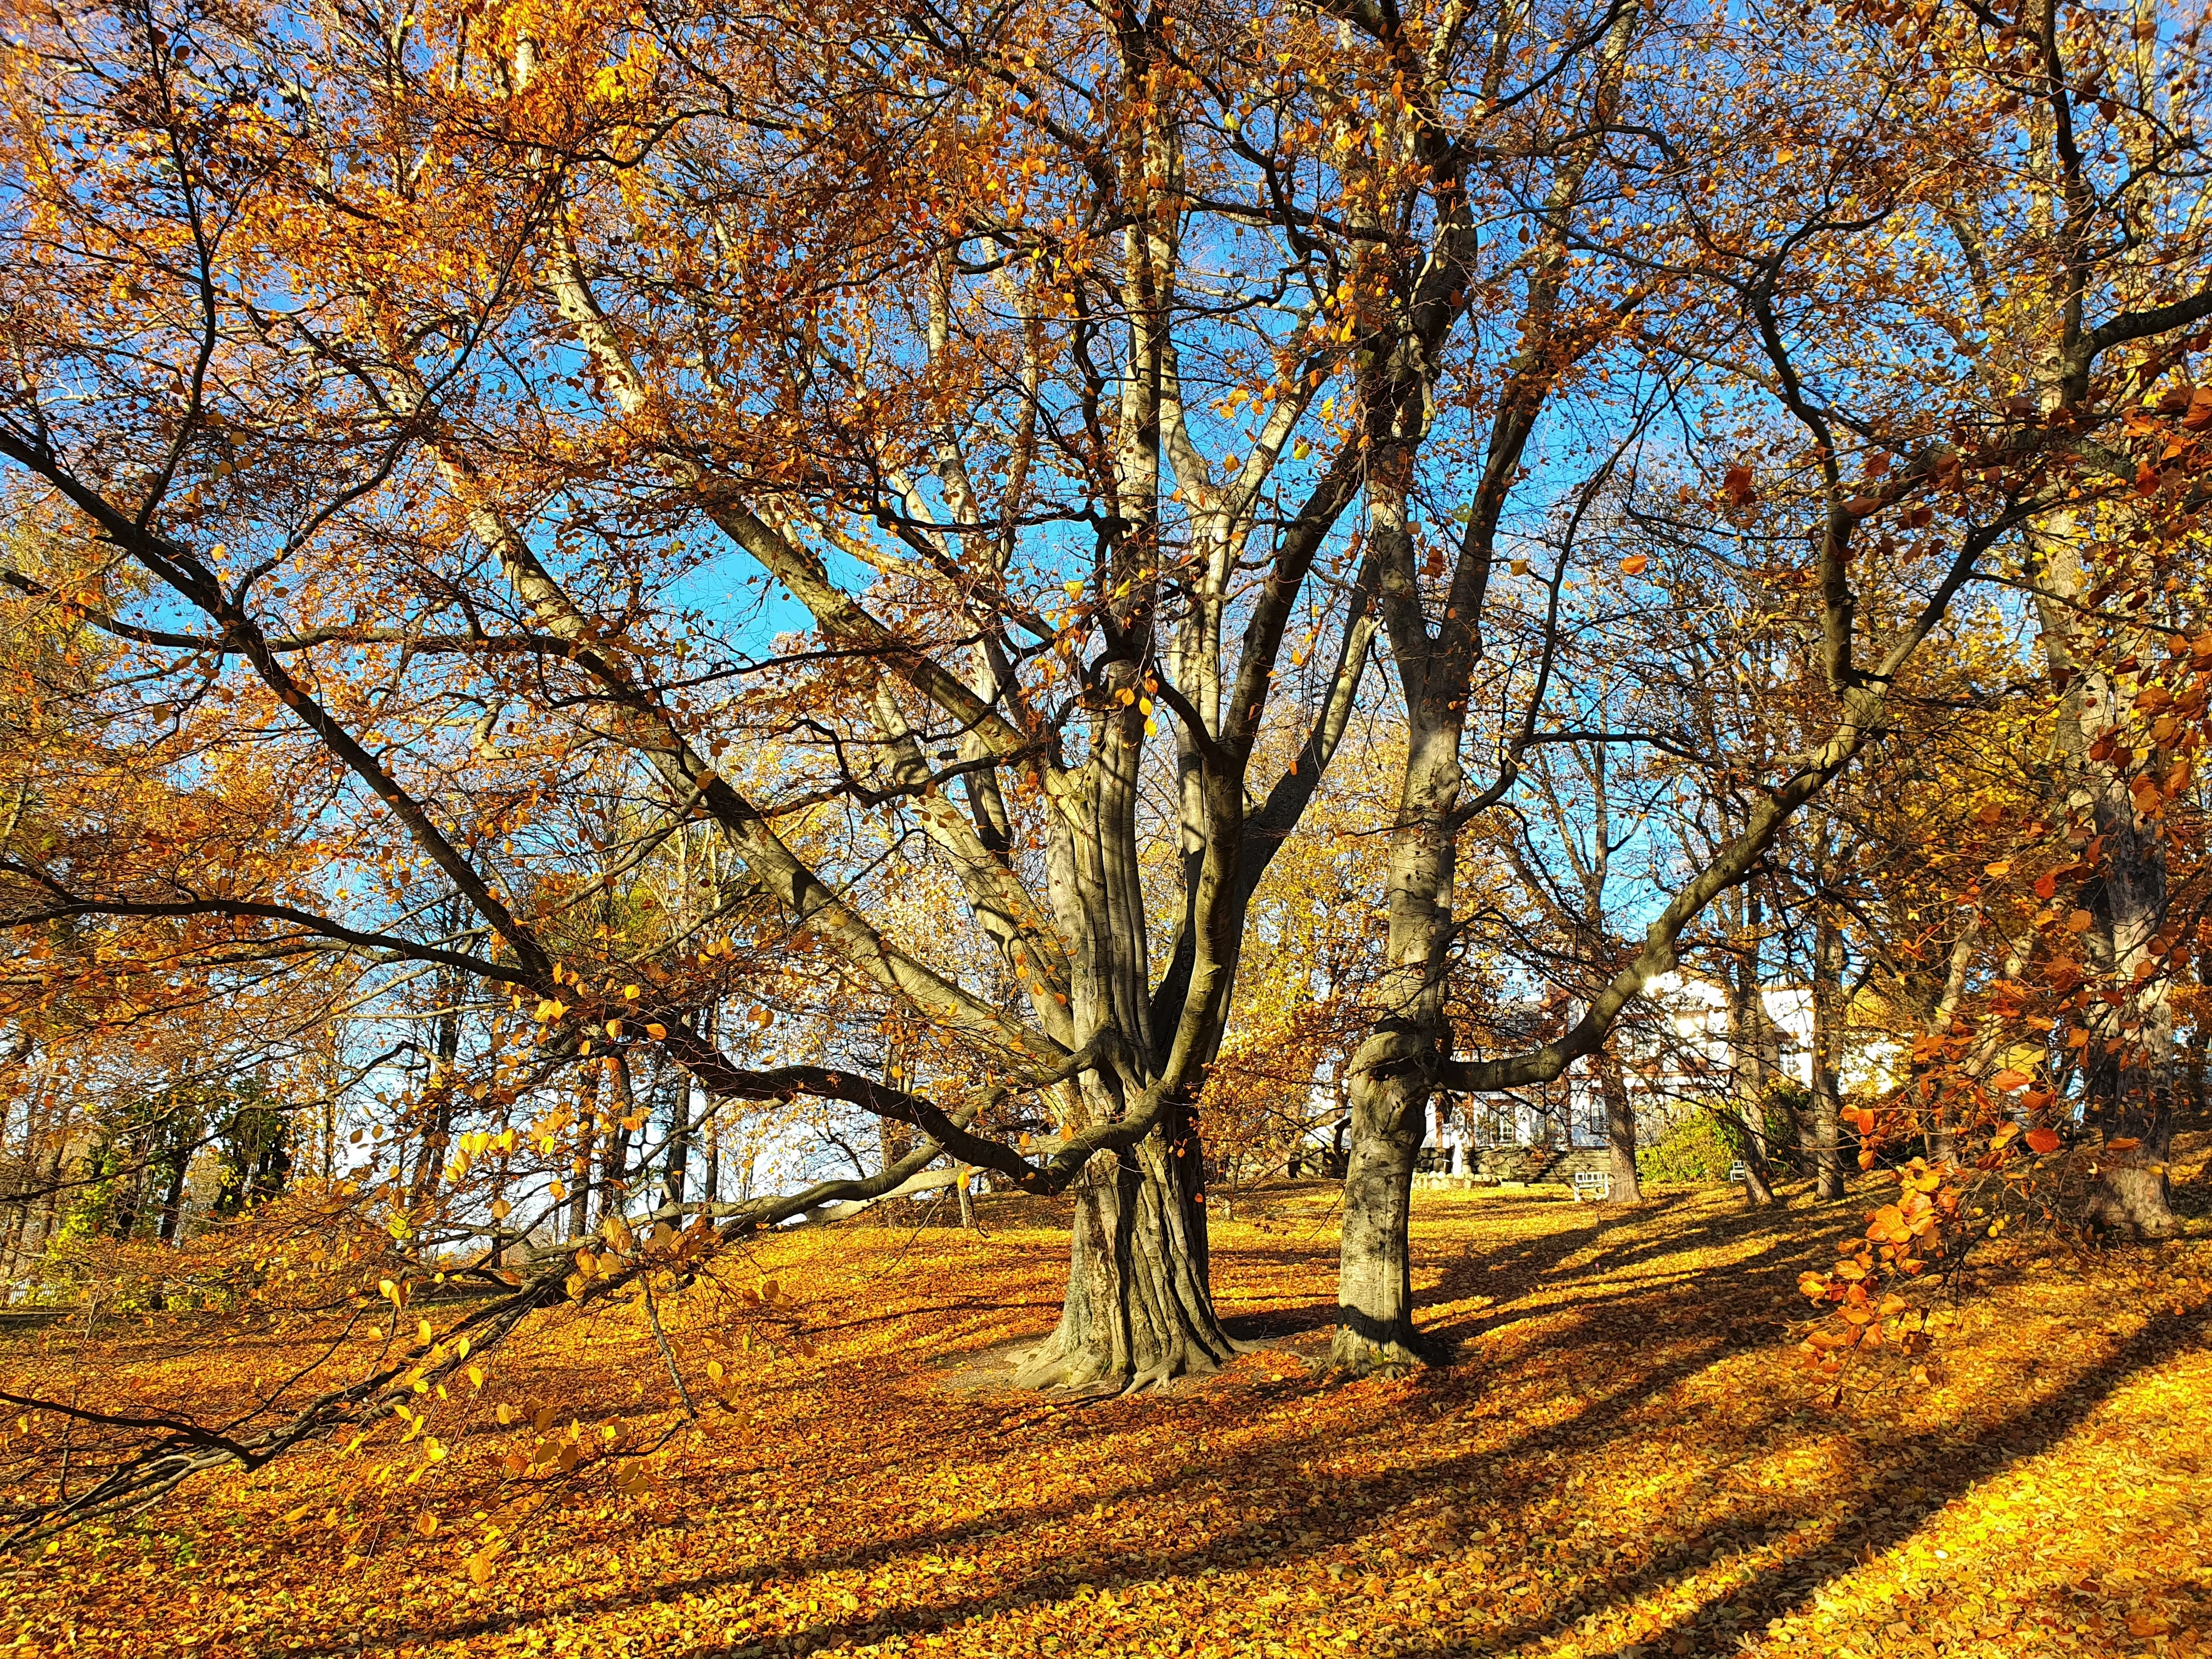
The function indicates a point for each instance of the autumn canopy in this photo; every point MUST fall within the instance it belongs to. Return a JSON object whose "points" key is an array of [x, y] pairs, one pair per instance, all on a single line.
{"points": [[626, 630]]}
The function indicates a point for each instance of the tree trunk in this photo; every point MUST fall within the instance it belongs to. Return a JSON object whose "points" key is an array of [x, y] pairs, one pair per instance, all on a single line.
{"points": [[2128, 1068], [587, 1114], [1390, 1072], [1828, 1047], [1620, 1129], [1375, 1284], [614, 1172], [676, 1168], [172, 1198], [1139, 1310], [438, 1107], [893, 1141], [1748, 1076]]}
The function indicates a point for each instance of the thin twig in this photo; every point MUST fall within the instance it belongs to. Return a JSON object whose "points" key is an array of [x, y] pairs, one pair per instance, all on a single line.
{"points": [[653, 1313]]}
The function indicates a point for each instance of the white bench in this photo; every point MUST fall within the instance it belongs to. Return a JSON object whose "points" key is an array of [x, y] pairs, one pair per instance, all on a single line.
{"points": [[1738, 1174], [1596, 1183]]}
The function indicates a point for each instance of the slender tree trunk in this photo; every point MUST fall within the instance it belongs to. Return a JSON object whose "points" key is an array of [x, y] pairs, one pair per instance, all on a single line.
{"points": [[1943, 1138], [676, 1168], [893, 1141], [1828, 962], [438, 1128], [52, 1213], [616, 1171], [123, 1215], [1747, 1063], [580, 1195], [172, 1198]]}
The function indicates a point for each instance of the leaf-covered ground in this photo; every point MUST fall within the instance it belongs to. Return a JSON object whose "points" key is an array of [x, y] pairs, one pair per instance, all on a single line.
{"points": [[1628, 1459]]}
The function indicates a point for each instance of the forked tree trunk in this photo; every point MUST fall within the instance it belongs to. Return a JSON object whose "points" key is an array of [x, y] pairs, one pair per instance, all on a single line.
{"points": [[1140, 1308]]}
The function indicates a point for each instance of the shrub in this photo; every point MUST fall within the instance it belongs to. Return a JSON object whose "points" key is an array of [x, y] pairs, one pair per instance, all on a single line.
{"points": [[1704, 1140], [1697, 1146]]}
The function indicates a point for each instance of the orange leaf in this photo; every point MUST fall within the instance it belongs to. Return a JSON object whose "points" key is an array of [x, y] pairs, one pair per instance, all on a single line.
{"points": [[2125, 1144], [1634, 564], [2042, 1139], [2007, 1080]]}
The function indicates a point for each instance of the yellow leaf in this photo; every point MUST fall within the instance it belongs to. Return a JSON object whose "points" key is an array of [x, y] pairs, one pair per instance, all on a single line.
{"points": [[475, 1381], [500, 1208], [714, 1369], [423, 1331], [657, 1031], [426, 1524], [614, 1028]]}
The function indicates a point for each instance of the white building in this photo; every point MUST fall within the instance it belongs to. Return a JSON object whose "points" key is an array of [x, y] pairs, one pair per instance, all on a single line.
{"points": [[1668, 1063]]}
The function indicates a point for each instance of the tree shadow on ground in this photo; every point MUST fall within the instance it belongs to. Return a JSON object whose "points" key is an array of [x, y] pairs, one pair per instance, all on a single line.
{"points": [[1285, 1519]]}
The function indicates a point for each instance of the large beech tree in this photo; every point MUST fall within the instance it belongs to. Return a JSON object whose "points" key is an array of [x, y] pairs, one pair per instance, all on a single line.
{"points": [[473, 397]]}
